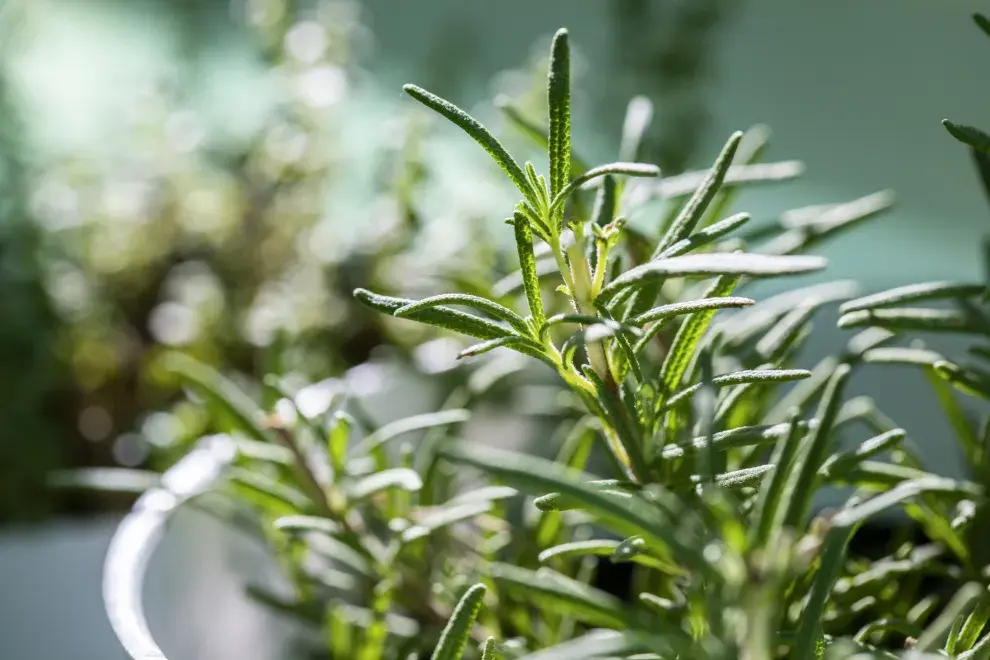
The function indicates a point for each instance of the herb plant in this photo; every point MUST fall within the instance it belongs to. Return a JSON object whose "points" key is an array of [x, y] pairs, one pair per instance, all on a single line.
{"points": [[716, 444]]}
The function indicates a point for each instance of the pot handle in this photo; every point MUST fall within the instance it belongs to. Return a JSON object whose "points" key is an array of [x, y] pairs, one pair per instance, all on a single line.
{"points": [[138, 534]]}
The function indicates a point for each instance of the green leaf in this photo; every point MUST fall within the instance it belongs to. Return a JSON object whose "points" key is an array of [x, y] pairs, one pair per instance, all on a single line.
{"points": [[628, 516], [625, 169], [744, 326], [689, 182], [741, 436], [635, 549], [565, 595], [337, 443], [491, 307], [979, 652], [401, 478], [936, 633], [559, 502], [300, 524], [709, 265], [594, 644], [484, 494], [559, 102], [921, 560], [809, 632], [685, 222], [527, 265], [739, 378], [588, 320], [965, 380], [441, 317], [913, 293], [664, 312], [521, 344], [605, 204], [689, 336], [866, 340], [774, 345], [445, 516], [876, 475], [479, 134], [913, 318], [970, 135], [220, 391], [921, 357], [955, 415], [596, 547], [750, 476], [974, 624], [455, 635], [809, 231], [900, 493], [982, 23], [705, 236], [844, 461], [625, 424], [768, 513], [490, 651], [410, 424], [270, 493], [804, 477], [639, 114]]}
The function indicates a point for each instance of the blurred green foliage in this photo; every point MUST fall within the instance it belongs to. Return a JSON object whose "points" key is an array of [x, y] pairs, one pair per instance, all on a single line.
{"points": [[243, 252]]}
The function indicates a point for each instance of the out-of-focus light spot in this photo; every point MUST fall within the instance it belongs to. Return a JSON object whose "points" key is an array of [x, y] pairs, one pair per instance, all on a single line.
{"points": [[286, 144], [384, 216], [366, 379], [306, 41], [194, 284], [69, 289], [161, 429], [264, 12], [314, 400], [325, 242], [264, 320], [286, 412], [130, 450], [56, 205], [340, 13], [95, 423], [184, 131], [321, 86], [438, 355], [205, 211], [173, 324], [126, 200]]}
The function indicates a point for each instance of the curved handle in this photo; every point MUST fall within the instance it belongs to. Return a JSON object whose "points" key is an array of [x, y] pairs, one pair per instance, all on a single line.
{"points": [[137, 537]]}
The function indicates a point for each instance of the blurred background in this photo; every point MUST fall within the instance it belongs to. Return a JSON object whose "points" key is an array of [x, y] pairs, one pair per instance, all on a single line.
{"points": [[218, 175]]}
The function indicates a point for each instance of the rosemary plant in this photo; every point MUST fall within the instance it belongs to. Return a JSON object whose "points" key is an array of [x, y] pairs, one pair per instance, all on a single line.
{"points": [[717, 444]]}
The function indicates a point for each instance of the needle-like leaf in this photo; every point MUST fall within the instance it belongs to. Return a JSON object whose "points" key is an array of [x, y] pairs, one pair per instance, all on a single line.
{"points": [[709, 265], [491, 307], [970, 135], [684, 223], [441, 317], [559, 102], [455, 635], [625, 169], [479, 134]]}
